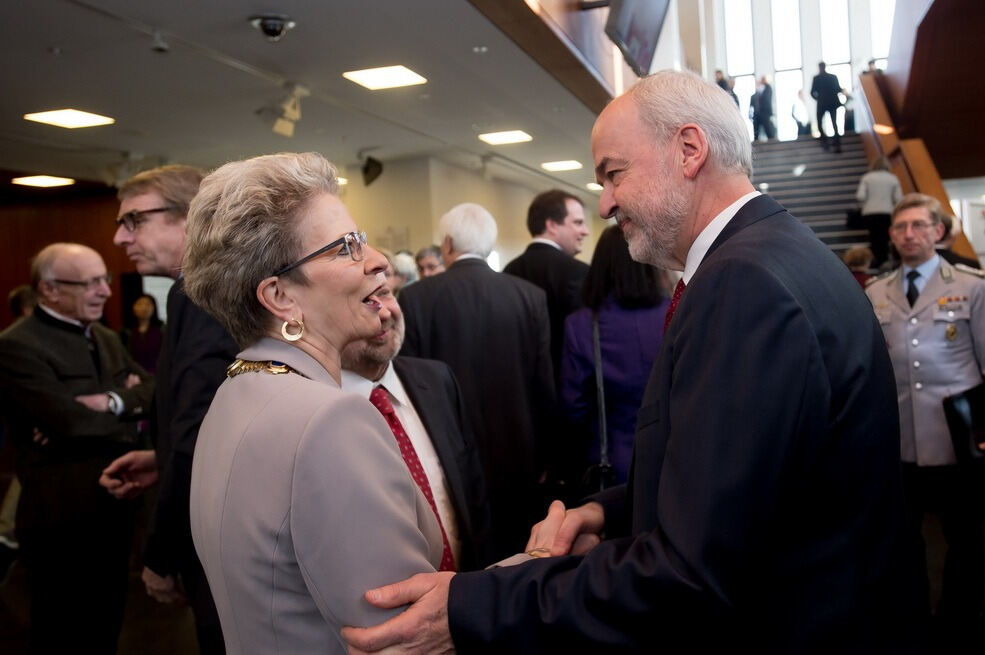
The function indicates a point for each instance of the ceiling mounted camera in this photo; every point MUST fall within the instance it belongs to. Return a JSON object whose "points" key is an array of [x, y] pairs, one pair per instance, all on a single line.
{"points": [[273, 26]]}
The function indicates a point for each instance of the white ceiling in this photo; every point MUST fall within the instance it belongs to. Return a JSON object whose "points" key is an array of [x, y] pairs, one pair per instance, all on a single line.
{"points": [[196, 103]]}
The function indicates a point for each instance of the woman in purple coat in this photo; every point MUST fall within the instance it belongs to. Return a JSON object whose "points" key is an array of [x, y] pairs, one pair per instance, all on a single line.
{"points": [[631, 301]]}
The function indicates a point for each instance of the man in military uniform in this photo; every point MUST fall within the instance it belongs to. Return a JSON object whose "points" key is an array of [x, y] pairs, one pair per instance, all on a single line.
{"points": [[933, 316]]}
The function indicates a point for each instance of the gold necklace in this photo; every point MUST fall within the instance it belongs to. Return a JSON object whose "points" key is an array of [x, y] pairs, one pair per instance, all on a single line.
{"points": [[271, 367]]}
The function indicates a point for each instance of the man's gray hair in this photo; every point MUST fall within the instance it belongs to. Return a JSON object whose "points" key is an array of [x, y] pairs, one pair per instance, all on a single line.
{"points": [[669, 99], [243, 226], [471, 227]]}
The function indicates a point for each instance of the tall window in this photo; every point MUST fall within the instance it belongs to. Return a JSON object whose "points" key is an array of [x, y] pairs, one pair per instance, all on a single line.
{"points": [[835, 36], [789, 78], [739, 52], [882, 26]]}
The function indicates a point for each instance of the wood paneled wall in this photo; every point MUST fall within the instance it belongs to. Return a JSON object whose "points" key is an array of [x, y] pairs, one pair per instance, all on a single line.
{"points": [[25, 228]]}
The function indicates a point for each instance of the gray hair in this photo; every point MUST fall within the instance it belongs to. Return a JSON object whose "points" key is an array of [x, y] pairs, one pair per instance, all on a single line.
{"points": [[403, 264], [242, 226], [471, 227], [43, 263], [429, 251], [669, 99]]}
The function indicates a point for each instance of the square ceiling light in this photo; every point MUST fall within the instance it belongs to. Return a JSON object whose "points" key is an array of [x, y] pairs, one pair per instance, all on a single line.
{"points": [[43, 181], [69, 118], [387, 77], [505, 138], [593, 186], [566, 165]]}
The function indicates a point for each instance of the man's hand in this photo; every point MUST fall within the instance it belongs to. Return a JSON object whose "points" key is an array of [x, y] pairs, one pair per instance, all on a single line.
{"points": [[128, 475], [97, 402], [572, 532], [421, 628], [132, 380], [161, 589]]}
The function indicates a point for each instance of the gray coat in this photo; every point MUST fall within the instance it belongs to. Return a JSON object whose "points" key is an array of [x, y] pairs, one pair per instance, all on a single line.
{"points": [[938, 349], [300, 502]]}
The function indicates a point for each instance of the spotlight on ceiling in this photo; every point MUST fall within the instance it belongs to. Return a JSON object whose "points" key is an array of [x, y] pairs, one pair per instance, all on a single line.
{"points": [[273, 26], [286, 112]]}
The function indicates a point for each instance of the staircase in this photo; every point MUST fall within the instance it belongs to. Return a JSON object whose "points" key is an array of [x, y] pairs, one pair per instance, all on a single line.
{"points": [[815, 185]]}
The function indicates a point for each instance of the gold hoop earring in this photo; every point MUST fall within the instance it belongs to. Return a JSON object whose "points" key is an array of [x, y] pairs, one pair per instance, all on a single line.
{"points": [[295, 336]]}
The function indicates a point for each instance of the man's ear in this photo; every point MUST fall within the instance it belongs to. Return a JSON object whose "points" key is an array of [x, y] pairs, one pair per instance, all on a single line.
{"points": [[276, 298], [447, 246], [693, 149], [47, 290]]}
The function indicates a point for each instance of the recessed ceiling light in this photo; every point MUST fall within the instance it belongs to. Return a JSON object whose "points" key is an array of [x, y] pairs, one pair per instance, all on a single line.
{"points": [[593, 186], [387, 77], [883, 129], [43, 180], [503, 138], [566, 165], [343, 181], [69, 118]]}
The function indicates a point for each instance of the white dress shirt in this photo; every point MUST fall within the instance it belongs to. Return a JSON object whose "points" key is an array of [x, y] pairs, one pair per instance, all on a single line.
{"points": [[708, 235], [419, 439]]}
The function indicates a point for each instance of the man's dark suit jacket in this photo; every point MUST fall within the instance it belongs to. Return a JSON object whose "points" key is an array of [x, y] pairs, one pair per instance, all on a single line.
{"points": [[435, 395], [561, 277], [493, 331], [825, 89], [191, 367], [765, 504], [44, 364]]}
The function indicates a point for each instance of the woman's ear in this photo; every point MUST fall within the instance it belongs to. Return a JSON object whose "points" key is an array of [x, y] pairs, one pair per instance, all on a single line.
{"points": [[276, 298]]}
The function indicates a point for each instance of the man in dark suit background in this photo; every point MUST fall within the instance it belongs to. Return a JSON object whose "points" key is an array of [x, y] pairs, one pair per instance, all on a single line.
{"points": [[556, 221], [426, 398], [493, 331], [192, 365], [72, 397], [765, 504], [825, 88], [761, 110]]}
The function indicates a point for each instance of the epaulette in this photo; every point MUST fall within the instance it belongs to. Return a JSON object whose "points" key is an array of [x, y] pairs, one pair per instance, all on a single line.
{"points": [[964, 268], [876, 278]]}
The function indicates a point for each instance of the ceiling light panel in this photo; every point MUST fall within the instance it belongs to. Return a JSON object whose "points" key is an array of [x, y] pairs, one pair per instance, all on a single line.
{"points": [[43, 181], [593, 186], [505, 138], [69, 118], [565, 165], [387, 77]]}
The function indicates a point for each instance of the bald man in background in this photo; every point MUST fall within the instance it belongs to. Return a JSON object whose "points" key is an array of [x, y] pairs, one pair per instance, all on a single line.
{"points": [[72, 397]]}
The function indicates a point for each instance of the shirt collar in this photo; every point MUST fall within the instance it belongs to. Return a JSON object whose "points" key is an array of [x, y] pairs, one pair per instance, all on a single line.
{"points": [[355, 383], [470, 255], [925, 269], [546, 241], [64, 319], [708, 235]]}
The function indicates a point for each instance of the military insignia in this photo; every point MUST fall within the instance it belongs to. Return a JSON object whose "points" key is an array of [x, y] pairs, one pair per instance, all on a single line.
{"points": [[952, 332], [964, 268]]}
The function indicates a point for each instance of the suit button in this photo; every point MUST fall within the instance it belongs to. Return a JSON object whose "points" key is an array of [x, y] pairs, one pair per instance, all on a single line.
{"points": [[950, 314], [916, 342], [918, 386], [913, 321], [916, 364]]}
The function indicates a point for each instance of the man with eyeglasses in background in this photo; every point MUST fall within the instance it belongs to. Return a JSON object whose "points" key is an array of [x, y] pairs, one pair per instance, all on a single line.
{"points": [[192, 365], [933, 316], [72, 397]]}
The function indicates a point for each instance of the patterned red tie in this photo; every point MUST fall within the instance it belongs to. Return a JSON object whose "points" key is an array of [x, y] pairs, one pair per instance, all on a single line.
{"points": [[678, 290], [381, 400]]}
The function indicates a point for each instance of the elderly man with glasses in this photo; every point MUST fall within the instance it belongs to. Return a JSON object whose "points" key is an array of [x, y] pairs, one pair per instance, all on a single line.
{"points": [[933, 316], [192, 365], [72, 397]]}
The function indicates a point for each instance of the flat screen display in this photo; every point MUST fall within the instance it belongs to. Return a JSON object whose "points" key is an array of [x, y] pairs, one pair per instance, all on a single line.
{"points": [[634, 26]]}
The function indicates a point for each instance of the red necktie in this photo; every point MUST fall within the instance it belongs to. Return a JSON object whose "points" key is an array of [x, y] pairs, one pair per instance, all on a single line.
{"points": [[381, 400], [678, 290]]}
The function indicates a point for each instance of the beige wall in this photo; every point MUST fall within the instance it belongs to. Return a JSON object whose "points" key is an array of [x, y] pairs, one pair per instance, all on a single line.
{"points": [[403, 206]]}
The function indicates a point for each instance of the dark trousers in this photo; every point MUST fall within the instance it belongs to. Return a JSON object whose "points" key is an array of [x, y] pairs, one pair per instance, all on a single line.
{"points": [[833, 112], [763, 124], [953, 493], [77, 580], [878, 226]]}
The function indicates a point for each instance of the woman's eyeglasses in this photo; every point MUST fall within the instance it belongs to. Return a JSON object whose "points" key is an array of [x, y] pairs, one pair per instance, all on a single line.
{"points": [[352, 245]]}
